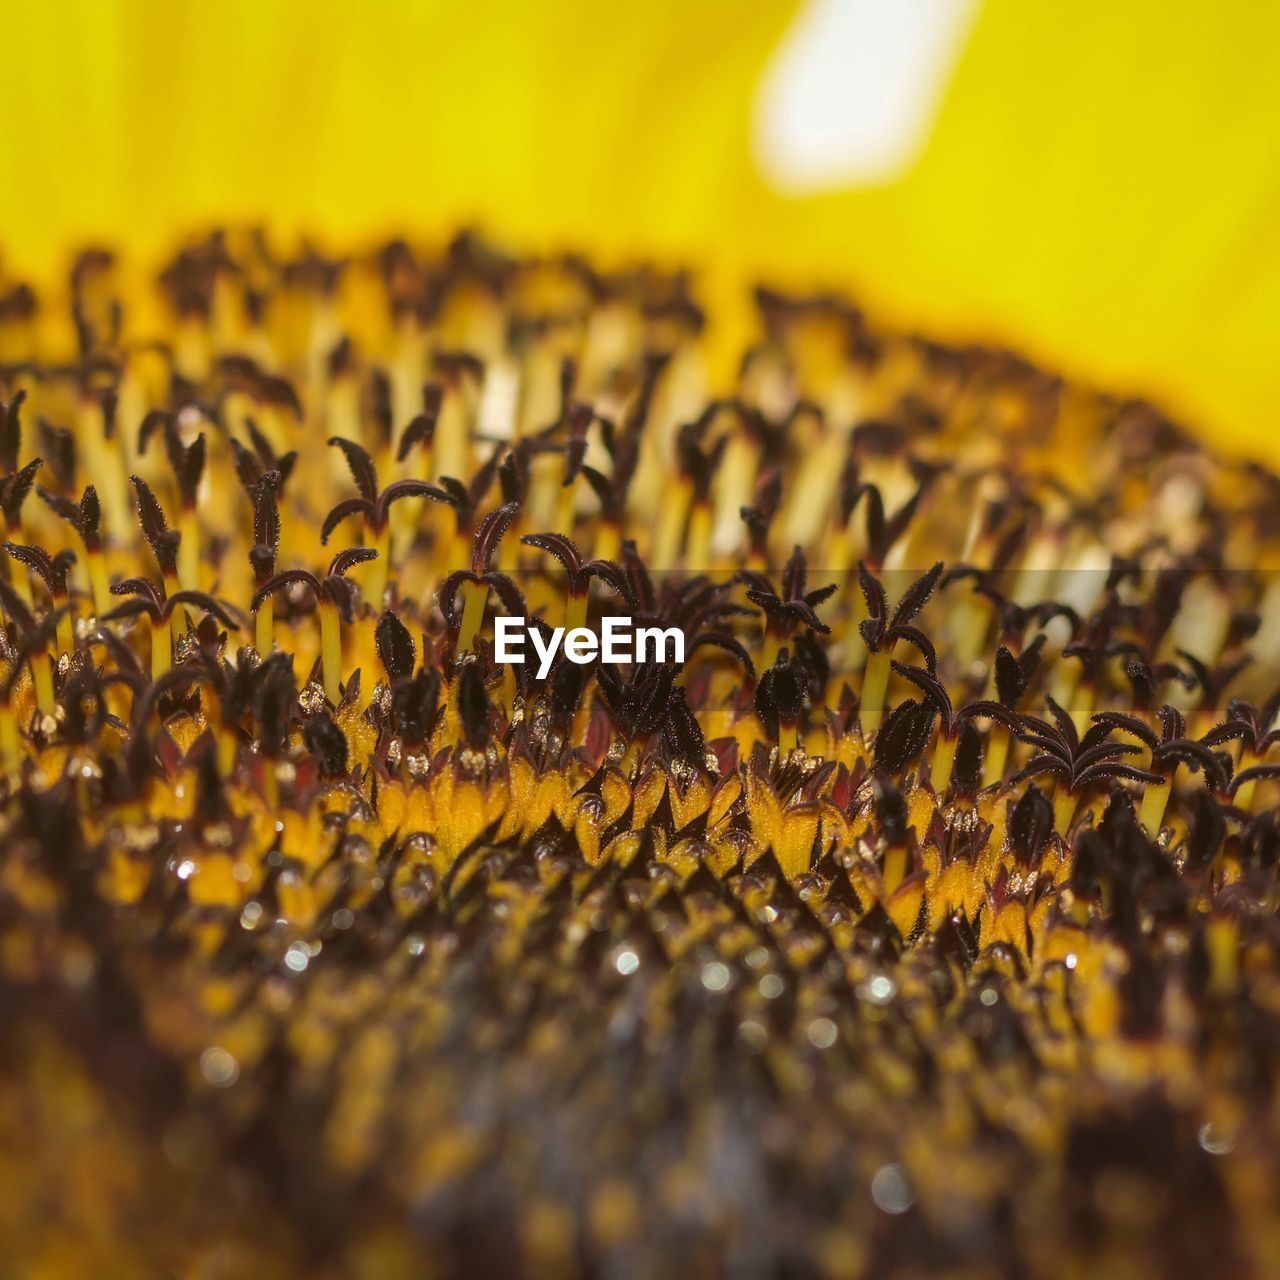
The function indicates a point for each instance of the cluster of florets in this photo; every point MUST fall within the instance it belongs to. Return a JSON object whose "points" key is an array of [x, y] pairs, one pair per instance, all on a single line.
{"points": [[970, 869]]}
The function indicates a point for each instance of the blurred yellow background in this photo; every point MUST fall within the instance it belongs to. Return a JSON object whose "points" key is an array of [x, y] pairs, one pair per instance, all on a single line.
{"points": [[1101, 187]]}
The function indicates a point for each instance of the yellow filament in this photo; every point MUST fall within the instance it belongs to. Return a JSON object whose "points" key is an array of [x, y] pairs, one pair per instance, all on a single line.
{"points": [[98, 582], [451, 444], [666, 538], [42, 675], [787, 738], [264, 626], [10, 742], [875, 684], [1154, 800], [189, 551], [769, 654], [66, 629], [425, 453], [1220, 943], [944, 754], [608, 541], [575, 610], [406, 518], [1243, 798], [858, 653], [972, 619], [376, 579], [288, 534], [735, 484], [997, 755], [161, 650], [509, 550], [895, 867], [564, 510], [1064, 809], [506, 696], [270, 785], [1082, 708], [96, 449], [226, 751], [274, 426], [475, 595], [1065, 678], [699, 546], [331, 650], [178, 620], [21, 582], [544, 487], [447, 548], [839, 552]]}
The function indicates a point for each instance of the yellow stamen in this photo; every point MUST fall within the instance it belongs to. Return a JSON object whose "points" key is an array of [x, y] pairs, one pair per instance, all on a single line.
{"points": [[895, 867], [1154, 800], [42, 676], [1243, 798], [608, 541], [178, 620], [1082, 707], [875, 684], [699, 546], [666, 537], [972, 619], [331, 650], [189, 551], [452, 447], [161, 649], [227, 744], [1064, 809], [270, 786], [376, 570], [564, 510], [997, 755], [21, 582], [1220, 943], [944, 754], [264, 626], [66, 628], [449, 546], [98, 582], [475, 595], [769, 653], [575, 609], [10, 740]]}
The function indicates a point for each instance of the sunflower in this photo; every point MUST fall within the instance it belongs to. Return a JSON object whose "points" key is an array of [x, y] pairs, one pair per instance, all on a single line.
{"points": [[911, 910], [919, 915]]}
